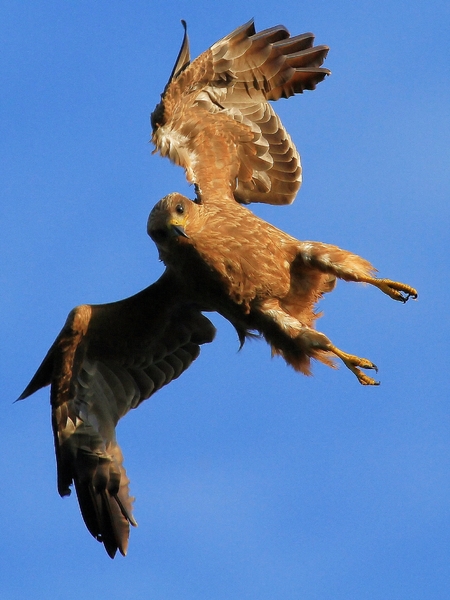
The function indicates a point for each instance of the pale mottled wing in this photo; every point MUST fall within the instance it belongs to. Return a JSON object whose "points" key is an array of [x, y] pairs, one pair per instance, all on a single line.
{"points": [[215, 120], [106, 360]]}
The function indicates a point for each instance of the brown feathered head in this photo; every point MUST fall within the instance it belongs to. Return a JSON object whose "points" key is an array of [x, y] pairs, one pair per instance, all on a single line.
{"points": [[169, 219]]}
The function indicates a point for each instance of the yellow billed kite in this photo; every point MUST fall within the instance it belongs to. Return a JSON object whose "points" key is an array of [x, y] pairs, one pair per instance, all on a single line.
{"points": [[215, 120]]}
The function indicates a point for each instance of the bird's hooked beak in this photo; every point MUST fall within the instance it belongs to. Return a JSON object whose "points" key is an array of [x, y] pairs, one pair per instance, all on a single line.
{"points": [[177, 229]]}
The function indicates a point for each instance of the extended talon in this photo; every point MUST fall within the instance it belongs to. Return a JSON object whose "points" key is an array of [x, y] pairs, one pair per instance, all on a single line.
{"points": [[365, 379], [355, 363], [394, 289]]}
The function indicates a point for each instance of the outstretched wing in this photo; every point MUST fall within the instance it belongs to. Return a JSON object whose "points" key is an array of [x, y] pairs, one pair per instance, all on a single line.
{"points": [[107, 359], [215, 120]]}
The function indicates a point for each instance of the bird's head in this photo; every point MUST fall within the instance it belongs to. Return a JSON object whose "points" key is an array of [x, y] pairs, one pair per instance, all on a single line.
{"points": [[169, 220]]}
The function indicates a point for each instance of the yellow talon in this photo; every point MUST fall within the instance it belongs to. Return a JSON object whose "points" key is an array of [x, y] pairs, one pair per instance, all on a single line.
{"points": [[394, 289], [352, 362], [365, 379]]}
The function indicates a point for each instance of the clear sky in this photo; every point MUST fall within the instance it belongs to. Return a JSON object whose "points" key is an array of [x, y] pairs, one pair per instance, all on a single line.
{"points": [[251, 481]]}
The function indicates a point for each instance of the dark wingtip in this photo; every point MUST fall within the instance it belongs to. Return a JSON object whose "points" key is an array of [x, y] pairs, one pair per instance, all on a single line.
{"points": [[41, 378], [183, 58]]}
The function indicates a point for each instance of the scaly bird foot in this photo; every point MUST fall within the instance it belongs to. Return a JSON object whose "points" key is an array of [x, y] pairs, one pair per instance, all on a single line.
{"points": [[355, 363], [394, 289]]}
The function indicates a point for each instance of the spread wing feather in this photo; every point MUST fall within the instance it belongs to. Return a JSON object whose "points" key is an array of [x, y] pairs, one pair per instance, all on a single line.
{"points": [[106, 360], [214, 118]]}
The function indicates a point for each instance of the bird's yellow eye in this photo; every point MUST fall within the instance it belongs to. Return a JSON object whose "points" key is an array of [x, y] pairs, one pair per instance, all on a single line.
{"points": [[179, 209]]}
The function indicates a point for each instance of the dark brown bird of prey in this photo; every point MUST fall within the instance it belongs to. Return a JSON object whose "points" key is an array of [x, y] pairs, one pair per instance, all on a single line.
{"points": [[215, 120], [107, 359]]}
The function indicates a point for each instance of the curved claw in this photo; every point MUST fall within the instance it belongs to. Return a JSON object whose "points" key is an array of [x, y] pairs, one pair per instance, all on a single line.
{"points": [[366, 380], [412, 294], [355, 363], [394, 289]]}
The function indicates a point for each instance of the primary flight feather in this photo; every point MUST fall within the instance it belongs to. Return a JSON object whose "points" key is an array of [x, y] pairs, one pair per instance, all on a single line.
{"points": [[215, 120]]}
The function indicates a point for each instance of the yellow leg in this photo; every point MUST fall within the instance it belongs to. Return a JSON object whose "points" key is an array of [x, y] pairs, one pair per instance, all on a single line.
{"points": [[353, 362], [394, 289]]}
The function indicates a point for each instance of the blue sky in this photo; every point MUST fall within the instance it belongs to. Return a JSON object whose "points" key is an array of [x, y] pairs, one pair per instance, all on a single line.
{"points": [[251, 481]]}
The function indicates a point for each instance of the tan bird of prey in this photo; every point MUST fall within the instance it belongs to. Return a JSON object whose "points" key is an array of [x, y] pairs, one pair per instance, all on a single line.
{"points": [[107, 359], [215, 120], [259, 278]]}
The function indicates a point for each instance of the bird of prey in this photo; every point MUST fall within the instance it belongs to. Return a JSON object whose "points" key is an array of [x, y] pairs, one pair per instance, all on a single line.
{"points": [[107, 359], [259, 278], [214, 118]]}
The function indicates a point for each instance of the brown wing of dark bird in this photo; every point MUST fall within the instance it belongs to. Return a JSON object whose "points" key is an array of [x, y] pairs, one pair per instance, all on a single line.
{"points": [[215, 120], [107, 359], [260, 278]]}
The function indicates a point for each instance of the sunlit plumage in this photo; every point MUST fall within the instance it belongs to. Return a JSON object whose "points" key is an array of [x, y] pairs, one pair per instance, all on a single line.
{"points": [[260, 278], [215, 120]]}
